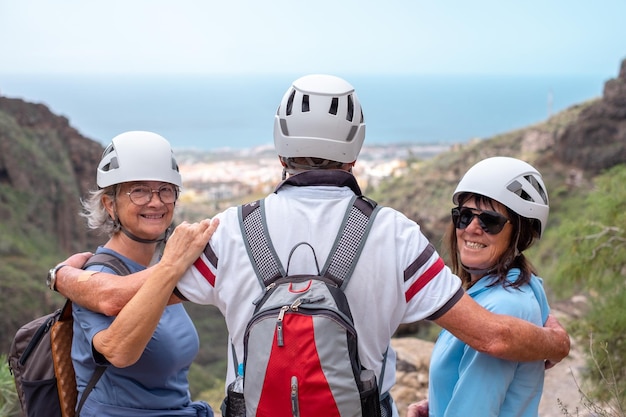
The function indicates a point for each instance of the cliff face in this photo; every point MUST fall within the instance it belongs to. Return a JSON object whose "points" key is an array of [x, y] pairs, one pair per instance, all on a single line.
{"points": [[597, 140], [50, 166]]}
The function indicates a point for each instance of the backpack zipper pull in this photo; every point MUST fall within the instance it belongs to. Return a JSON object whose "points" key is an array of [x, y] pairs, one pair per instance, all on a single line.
{"points": [[279, 325], [296, 304], [264, 293], [301, 300], [295, 408]]}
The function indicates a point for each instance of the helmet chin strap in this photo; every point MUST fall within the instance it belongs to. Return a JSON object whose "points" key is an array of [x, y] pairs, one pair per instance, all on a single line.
{"points": [[486, 271], [161, 238], [477, 271]]}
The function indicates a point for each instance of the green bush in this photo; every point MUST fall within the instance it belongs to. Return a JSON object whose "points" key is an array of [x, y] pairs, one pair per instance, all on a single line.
{"points": [[592, 261], [613, 404], [8, 396]]}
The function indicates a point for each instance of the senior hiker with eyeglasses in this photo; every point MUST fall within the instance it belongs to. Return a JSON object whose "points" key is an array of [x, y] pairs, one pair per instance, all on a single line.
{"points": [[148, 347]]}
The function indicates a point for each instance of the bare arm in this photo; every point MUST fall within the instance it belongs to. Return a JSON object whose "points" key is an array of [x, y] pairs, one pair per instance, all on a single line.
{"points": [[123, 342], [102, 292], [504, 336]]}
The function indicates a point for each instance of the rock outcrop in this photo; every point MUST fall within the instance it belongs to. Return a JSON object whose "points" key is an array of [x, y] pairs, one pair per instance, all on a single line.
{"points": [[50, 166], [597, 139]]}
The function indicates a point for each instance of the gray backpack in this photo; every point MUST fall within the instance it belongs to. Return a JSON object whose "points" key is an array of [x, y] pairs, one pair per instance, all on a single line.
{"points": [[300, 346]]}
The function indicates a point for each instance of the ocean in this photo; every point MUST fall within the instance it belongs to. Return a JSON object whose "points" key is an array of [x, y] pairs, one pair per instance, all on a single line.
{"points": [[216, 112]]}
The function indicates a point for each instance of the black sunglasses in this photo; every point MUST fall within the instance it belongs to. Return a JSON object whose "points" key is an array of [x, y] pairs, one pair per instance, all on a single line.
{"points": [[491, 222]]}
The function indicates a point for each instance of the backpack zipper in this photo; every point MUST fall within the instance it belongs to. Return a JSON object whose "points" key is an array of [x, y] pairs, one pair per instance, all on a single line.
{"points": [[279, 326], [294, 307], [43, 329], [295, 407]]}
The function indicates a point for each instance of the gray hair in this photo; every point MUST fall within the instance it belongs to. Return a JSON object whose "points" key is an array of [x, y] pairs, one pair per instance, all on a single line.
{"points": [[295, 165], [95, 213]]}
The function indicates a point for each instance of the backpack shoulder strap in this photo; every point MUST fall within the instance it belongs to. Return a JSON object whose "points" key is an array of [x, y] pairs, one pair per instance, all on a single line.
{"points": [[108, 260], [350, 240], [95, 377], [346, 249], [258, 244]]}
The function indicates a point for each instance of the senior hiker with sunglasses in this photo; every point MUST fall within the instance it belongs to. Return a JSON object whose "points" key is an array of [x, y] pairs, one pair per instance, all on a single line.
{"points": [[502, 209]]}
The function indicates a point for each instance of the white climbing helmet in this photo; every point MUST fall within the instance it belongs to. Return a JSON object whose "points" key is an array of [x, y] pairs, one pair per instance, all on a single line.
{"points": [[138, 156], [320, 117], [511, 182]]}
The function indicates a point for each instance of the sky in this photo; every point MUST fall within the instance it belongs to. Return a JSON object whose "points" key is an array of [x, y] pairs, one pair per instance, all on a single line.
{"points": [[295, 36]]}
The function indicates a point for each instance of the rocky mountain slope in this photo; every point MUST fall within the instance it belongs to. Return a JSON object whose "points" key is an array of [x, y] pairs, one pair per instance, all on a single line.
{"points": [[51, 164], [596, 140], [45, 167]]}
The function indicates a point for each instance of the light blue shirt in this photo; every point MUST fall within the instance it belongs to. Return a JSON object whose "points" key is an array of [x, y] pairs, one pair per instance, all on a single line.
{"points": [[156, 382], [466, 382]]}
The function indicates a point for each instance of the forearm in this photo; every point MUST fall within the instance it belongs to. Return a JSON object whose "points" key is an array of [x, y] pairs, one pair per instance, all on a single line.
{"points": [[100, 292], [125, 340], [519, 340], [503, 336]]}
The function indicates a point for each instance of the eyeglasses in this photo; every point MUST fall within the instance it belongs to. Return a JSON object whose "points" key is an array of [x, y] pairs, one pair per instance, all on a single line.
{"points": [[491, 222], [142, 194]]}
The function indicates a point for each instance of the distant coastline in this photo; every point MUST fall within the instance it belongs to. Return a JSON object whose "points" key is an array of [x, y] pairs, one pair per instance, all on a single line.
{"points": [[214, 112], [387, 151]]}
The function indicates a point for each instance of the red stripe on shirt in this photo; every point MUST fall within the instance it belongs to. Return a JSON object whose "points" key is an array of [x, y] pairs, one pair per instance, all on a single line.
{"points": [[205, 271], [424, 279]]}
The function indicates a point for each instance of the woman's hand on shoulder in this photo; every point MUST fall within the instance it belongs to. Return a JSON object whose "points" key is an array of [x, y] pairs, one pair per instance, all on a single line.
{"points": [[188, 241]]}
